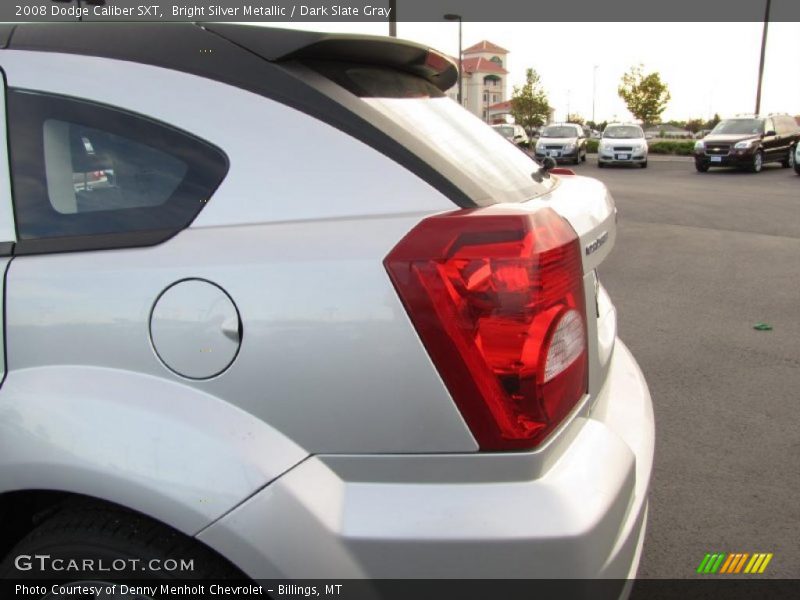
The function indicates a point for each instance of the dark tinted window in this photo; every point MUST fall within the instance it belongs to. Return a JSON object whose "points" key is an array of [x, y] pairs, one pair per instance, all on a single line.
{"points": [[89, 176]]}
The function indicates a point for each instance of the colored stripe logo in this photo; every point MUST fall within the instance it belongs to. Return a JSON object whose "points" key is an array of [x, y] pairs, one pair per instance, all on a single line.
{"points": [[734, 563]]}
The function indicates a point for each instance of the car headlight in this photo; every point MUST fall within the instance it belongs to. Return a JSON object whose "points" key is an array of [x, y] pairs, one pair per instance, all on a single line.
{"points": [[569, 147], [699, 145], [744, 144]]}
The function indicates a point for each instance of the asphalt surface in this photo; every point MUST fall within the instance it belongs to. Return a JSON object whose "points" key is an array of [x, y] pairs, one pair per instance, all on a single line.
{"points": [[700, 259]]}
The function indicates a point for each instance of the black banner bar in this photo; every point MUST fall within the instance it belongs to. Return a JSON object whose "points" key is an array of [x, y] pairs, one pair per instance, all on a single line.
{"points": [[401, 10], [731, 588]]}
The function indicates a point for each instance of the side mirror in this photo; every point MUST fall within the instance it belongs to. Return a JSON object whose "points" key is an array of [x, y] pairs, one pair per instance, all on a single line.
{"points": [[771, 132]]}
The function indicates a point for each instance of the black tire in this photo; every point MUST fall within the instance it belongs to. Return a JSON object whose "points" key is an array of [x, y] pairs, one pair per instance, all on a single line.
{"points": [[583, 158], [115, 536], [758, 162], [788, 162], [600, 165], [643, 165], [701, 167]]}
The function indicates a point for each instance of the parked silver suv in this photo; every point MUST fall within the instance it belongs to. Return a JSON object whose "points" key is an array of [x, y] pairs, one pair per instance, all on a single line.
{"points": [[385, 353]]}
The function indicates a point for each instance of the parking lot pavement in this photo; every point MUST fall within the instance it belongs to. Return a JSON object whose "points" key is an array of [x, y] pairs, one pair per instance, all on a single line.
{"points": [[699, 259]]}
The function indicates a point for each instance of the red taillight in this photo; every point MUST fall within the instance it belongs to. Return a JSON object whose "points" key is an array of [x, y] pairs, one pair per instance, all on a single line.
{"points": [[497, 300]]}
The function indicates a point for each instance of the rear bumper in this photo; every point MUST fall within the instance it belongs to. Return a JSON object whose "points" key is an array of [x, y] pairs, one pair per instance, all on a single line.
{"points": [[575, 509]]}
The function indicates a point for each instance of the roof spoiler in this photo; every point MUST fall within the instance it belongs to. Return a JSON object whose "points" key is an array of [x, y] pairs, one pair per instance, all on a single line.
{"points": [[278, 45]]}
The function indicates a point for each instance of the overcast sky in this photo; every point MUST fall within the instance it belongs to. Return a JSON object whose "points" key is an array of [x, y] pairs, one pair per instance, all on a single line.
{"points": [[709, 67]]}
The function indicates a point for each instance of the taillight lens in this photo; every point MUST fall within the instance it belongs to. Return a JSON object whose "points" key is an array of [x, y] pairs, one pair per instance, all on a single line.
{"points": [[497, 300]]}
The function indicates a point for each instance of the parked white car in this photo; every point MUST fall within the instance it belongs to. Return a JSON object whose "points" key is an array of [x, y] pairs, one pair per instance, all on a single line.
{"points": [[562, 142], [513, 133], [622, 144], [383, 354]]}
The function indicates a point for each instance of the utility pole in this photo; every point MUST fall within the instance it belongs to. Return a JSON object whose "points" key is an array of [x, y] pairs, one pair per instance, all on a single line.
{"points": [[454, 17], [594, 91], [568, 93], [763, 52]]}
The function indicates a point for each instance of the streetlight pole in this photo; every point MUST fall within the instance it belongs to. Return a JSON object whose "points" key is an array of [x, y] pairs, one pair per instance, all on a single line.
{"points": [[393, 18], [568, 93], [763, 52], [454, 17], [594, 91]]}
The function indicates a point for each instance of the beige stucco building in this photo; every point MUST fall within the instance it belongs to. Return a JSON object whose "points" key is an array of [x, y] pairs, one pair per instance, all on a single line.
{"points": [[485, 79]]}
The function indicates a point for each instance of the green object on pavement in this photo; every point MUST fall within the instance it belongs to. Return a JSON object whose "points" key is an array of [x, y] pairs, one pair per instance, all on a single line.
{"points": [[762, 327]]}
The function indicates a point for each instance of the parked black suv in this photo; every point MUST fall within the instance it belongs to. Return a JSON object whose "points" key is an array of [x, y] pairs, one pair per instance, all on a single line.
{"points": [[748, 142]]}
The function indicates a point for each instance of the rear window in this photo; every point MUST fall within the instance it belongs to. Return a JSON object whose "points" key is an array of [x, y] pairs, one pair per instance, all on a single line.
{"points": [[469, 145]]}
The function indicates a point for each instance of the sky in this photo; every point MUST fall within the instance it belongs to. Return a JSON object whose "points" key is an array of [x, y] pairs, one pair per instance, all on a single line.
{"points": [[709, 67]]}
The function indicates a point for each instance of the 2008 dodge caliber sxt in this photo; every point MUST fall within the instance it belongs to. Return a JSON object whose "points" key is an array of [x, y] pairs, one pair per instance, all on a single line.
{"points": [[275, 303]]}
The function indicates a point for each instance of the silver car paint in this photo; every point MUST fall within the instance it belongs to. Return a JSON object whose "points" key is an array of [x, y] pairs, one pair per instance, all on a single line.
{"points": [[305, 291], [304, 268], [584, 516], [7, 230], [302, 287], [157, 446]]}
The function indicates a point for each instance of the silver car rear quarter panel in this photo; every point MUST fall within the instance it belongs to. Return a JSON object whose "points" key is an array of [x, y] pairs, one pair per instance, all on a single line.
{"points": [[583, 515], [296, 235]]}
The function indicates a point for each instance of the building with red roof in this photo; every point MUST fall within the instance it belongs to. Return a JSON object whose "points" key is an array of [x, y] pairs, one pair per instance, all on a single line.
{"points": [[484, 68]]}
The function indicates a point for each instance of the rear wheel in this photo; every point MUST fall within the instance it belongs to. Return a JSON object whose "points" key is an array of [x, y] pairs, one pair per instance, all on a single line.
{"points": [[701, 167], [758, 162], [118, 542]]}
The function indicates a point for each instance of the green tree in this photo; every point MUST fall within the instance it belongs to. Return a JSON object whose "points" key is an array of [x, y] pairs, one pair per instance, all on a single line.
{"points": [[645, 94], [713, 122], [695, 125], [529, 105]]}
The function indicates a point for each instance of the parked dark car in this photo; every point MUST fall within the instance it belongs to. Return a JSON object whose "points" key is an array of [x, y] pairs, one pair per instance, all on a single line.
{"points": [[749, 143]]}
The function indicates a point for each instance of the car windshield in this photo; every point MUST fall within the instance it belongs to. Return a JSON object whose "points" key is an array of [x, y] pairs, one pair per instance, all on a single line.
{"points": [[739, 126], [505, 130], [559, 132], [623, 131]]}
